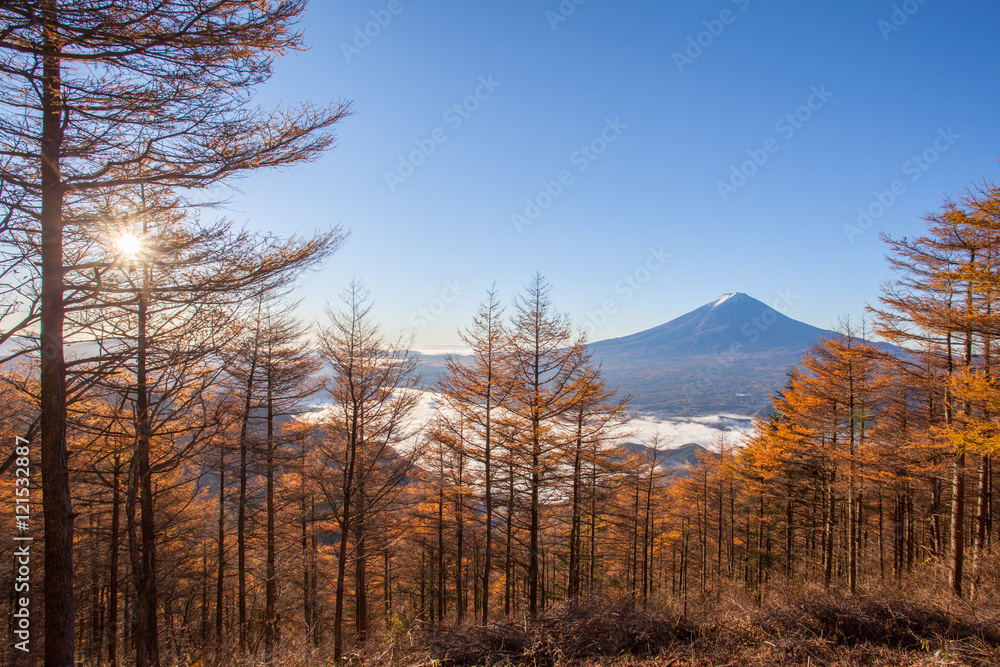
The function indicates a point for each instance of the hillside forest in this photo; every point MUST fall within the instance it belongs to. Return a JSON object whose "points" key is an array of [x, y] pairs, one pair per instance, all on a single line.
{"points": [[215, 480]]}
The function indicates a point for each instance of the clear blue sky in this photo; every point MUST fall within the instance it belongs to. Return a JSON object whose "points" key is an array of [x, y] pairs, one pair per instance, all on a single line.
{"points": [[882, 90]]}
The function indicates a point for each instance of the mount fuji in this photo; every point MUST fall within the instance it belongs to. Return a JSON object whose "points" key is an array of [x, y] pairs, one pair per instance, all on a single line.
{"points": [[727, 356]]}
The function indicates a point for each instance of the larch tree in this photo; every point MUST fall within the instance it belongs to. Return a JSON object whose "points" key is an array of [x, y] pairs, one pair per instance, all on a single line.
{"points": [[274, 372], [289, 369], [937, 306], [597, 420], [97, 95], [371, 385], [974, 388], [173, 306], [476, 391], [550, 370], [840, 372]]}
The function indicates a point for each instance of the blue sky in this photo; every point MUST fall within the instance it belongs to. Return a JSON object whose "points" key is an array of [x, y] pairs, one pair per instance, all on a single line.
{"points": [[646, 157]]}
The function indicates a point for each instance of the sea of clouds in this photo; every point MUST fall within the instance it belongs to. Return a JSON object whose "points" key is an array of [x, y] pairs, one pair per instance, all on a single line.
{"points": [[644, 429]]}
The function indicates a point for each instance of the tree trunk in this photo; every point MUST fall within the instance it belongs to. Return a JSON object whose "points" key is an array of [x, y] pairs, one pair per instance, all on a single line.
{"points": [[647, 529], [719, 533], [732, 530], [94, 650], [345, 528], [221, 558], [633, 566], [459, 544], [271, 586], [957, 524], [760, 548], [488, 547], [508, 566], [440, 556], [113, 566], [316, 615], [360, 570], [829, 532], [684, 570], [982, 521], [477, 599], [881, 544], [306, 563], [536, 452], [241, 511], [204, 593], [57, 509], [789, 531], [593, 528], [574, 529], [147, 635], [423, 582], [338, 613], [387, 585], [852, 519]]}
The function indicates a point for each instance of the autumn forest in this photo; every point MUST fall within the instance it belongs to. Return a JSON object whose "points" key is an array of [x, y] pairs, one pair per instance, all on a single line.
{"points": [[216, 479]]}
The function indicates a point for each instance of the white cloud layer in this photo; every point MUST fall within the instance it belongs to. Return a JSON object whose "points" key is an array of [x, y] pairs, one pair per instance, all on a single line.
{"points": [[703, 430]]}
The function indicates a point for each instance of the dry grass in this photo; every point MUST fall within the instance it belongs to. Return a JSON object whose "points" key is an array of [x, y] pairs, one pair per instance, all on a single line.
{"points": [[566, 632], [817, 629]]}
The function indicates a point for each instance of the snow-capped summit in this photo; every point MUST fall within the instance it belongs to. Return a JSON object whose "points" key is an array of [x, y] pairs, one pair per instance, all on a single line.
{"points": [[722, 299]]}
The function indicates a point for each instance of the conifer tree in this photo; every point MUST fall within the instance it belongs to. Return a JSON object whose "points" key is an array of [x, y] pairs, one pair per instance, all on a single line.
{"points": [[371, 386], [100, 95], [476, 392], [550, 376]]}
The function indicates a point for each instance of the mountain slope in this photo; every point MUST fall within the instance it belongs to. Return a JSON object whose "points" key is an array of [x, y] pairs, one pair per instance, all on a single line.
{"points": [[681, 457], [731, 320], [727, 356]]}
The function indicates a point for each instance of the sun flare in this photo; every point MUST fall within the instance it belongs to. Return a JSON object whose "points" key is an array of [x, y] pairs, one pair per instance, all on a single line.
{"points": [[129, 244]]}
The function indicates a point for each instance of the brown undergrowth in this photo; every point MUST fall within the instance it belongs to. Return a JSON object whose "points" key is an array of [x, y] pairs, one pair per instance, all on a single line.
{"points": [[814, 629]]}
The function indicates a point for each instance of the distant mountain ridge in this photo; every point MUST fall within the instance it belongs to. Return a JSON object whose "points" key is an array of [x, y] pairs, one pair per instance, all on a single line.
{"points": [[679, 459]]}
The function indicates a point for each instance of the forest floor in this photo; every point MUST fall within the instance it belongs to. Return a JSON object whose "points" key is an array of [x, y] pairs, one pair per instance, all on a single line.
{"points": [[814, 629]]}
